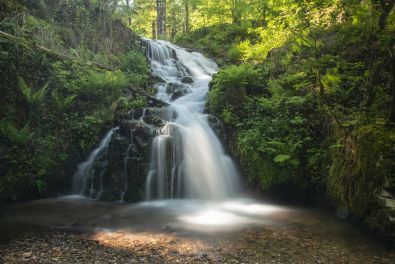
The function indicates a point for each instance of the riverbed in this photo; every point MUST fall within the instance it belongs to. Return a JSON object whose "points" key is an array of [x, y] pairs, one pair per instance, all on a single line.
{"points": [[74, 229]]}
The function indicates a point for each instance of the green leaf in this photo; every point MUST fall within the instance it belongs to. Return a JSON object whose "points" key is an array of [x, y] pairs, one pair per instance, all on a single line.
{"points": [[279, 159]]}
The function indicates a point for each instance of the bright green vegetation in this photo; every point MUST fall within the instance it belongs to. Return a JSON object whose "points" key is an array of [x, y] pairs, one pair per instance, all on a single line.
{"points": [[66, 72], [308, 99], [306, 90]]}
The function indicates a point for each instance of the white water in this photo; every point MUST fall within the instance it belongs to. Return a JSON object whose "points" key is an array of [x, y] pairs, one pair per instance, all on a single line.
{"points": [[187, 160], [86, 171]]}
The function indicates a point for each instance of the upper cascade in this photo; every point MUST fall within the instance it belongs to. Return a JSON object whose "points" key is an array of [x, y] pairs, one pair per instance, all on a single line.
{"points": [[187, 158]]}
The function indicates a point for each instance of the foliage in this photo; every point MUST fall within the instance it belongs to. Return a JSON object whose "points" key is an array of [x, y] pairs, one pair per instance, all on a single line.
{"points": [[35, 99], [230, 85], [54, 109], [316, 72]]}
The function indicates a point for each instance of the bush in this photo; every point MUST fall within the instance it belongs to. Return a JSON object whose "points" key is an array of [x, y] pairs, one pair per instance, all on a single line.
{"points": [[136, 62], [231, 85]]}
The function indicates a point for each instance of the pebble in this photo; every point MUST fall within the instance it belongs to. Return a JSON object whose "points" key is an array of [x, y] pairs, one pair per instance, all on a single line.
{"points": [[254, 247]]}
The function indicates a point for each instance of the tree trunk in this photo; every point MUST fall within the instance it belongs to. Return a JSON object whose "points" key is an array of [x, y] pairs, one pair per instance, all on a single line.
{"points": [[153, 29], [392, 106], [187, 26], [173, 21], [129, 17], [386, 8], [161, 18]]}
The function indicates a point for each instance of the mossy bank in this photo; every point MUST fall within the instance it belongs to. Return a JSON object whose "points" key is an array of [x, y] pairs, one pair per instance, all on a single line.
{"points": [[68, 73]]}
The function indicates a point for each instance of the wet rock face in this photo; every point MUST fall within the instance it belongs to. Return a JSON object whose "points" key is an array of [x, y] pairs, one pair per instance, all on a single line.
{"points": [[176, 90], [216, 124], [384, 219], [113, 182], [120, 170], [154, 102]]}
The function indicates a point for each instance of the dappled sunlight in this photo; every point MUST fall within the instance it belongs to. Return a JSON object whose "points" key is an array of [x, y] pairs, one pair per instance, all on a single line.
{"points": [[160, 243]]}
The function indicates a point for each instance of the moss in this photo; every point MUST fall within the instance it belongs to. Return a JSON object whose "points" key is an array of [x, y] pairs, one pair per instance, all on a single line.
{"points": [[361, 167], [57, 100]]}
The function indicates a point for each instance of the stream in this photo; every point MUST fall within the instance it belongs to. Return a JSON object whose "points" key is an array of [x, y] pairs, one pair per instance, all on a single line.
{"points": [[75, 229], [193, 210]]}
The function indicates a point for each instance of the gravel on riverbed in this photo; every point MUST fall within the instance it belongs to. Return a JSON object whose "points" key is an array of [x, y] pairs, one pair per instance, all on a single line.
{"points": [[252, 245]]}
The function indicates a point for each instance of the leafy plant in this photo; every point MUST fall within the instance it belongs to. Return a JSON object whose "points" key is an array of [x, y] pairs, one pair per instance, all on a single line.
{"points": [[62, 103], [33, 98]]}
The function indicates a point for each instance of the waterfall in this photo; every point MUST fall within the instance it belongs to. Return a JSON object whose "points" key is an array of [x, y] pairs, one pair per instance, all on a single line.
{"points": [[85, 173], [187, 158], [125, 172]]}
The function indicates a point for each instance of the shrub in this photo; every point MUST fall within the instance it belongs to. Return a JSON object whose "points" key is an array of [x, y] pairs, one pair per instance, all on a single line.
{"points": [[231, 85]]}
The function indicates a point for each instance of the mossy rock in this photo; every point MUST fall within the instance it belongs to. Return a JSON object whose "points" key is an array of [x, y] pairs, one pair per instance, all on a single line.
{"points": [[360, 169]]}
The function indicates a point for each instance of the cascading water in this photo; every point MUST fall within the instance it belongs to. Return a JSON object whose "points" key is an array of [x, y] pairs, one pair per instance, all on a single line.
{"points": [[85, 173], [187, 160]]}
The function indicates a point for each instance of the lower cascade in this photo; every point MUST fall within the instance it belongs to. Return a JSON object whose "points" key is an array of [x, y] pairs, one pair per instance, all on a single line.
{"points": [[187, 158], [171, 141]]}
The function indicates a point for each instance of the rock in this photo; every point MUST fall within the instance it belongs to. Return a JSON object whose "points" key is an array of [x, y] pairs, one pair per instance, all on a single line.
{"points": [[136, 113], [217, 126], [157, 79], [153, 120], [125, 126], [173, 87], [142, 130], [174, 55], [178, 94], [155, 102], [210, 85], [187, 79], [176, 90], [162, 113]]}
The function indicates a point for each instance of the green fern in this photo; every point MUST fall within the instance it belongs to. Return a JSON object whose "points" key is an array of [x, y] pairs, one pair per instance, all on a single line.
{"points": [[33, 98], [61, 103]]}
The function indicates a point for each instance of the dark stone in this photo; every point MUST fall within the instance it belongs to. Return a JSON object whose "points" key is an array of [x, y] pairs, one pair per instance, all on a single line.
{"points": [[157, 79], [211, 85], [187, 79], [216, 124], [178, 94], [136, 173], [175, 57], [162, 113], [173, 87], [125, 127], [109, 176], [136, 113], [155, 102], [153, 120]]}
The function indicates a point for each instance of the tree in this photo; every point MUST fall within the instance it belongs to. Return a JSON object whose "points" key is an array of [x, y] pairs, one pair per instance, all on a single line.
{"points": [[161, 18], [385, 7], [128, 11], [186, 8]]}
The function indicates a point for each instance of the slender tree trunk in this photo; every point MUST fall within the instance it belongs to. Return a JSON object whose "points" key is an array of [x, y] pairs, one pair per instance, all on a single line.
{"points": [[173, 20], [187, 26], [161, 18], [386, 7], [318, 74], [153, 29], [129, 17], [392, 106]]}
